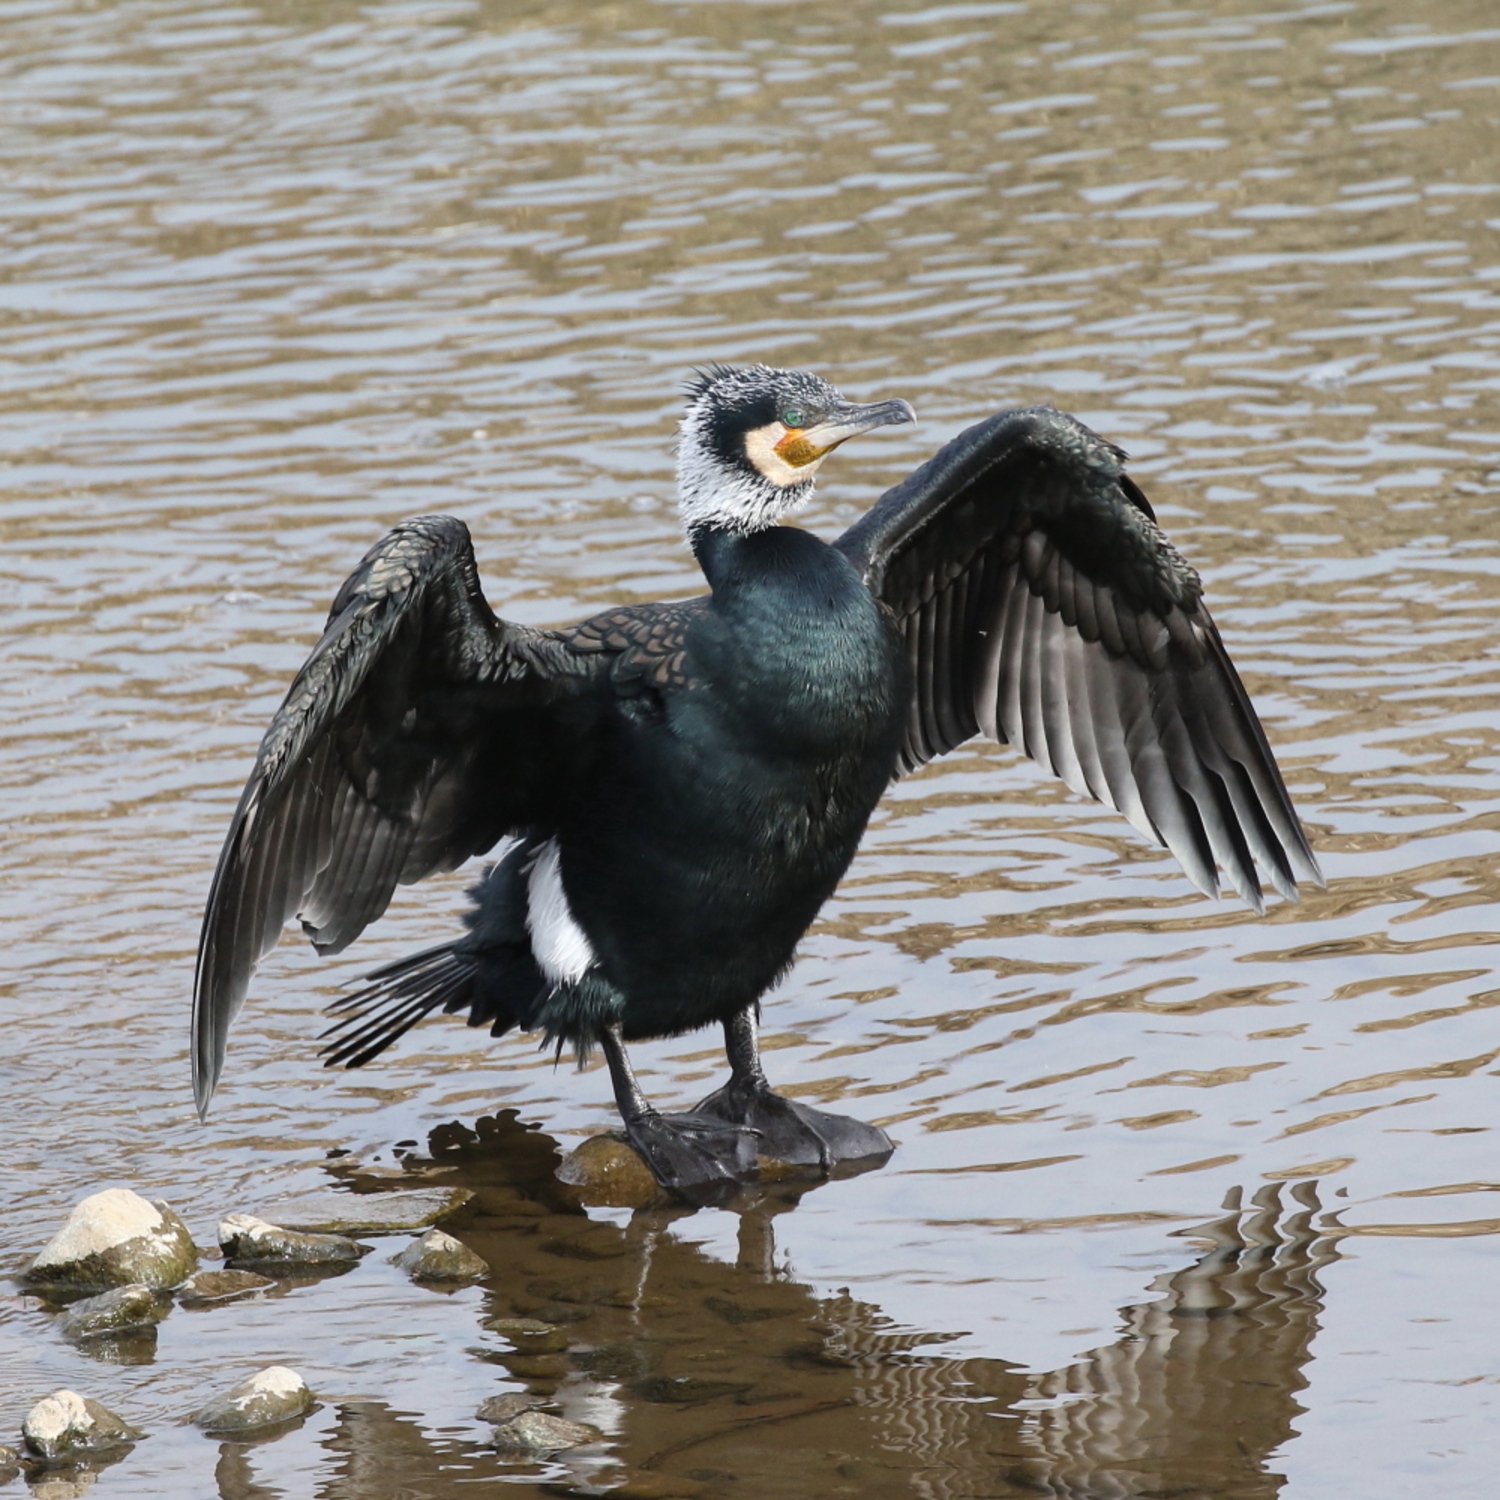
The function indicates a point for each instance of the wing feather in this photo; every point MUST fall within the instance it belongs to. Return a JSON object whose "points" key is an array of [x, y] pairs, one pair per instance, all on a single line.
{"points": [[1041, 603], [416, 735]]}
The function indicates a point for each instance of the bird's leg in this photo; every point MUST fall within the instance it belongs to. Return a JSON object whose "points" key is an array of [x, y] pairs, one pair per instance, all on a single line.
{"points": [[788, 1131], [702, 1159]]}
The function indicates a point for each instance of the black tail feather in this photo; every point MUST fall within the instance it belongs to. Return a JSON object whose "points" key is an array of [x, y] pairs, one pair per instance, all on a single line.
{"points": [[491, 973], [498, 984], [394, 999]]}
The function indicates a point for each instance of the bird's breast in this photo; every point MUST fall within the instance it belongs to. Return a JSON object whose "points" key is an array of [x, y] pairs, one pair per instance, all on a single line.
{"points": [[798, 656]]}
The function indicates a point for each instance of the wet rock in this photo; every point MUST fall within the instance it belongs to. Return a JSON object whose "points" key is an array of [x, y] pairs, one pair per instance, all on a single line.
{"points": [[570, 1293], [64, 1484], [736, 1313], [773, 1169], [606, 1173], [597, 1242], [622, 1361], [370, 1213], [440, 1257], [246, 1238], [536, 1367], [275, 1394], [562, 1313], [221, 1286], [530, 1335], [10, 1464], [684, 1389], [115, 1311], [66, 1425], [505, 1408], [538, 1432], [116, 1238]]}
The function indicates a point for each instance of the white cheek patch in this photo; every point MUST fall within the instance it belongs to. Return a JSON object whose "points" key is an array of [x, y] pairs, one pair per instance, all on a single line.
{"points": [[760, 449], [562, 951], [739, 498]]}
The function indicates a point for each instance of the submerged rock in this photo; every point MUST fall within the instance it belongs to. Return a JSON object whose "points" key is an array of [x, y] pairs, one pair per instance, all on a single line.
{"points": [[607, 1173], [440, 1257], [537, 1432], [505, 1408], [275, 1394], [116, 1238], [370, 1213], [246, 1238], [66, 1425], [689, 1389], [530, 1335], [75, 1482], [220, 1286], [116, 1311]]}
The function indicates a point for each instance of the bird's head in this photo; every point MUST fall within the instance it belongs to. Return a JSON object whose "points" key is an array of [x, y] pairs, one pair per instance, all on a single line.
{"points": [[753, 438]]}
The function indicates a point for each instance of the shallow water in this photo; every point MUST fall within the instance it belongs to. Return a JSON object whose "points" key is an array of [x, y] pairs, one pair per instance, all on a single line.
{"points": [[1185, 1202]]}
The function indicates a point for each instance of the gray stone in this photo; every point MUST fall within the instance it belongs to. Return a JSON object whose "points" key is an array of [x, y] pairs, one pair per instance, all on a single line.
{"points": [[66, 1425], [275, 1394], [116, 1238], [246, 1238], [505, 1408], [220, 1286], [112, 1312], [370, 1213], [537, 1432], [440, 1257], [10, 1464]]}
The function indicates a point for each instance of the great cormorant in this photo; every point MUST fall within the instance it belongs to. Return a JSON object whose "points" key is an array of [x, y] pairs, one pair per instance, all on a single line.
{"points": [[686, 782]]}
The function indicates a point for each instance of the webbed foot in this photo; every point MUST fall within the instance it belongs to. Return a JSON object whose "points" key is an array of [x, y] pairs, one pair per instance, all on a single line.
{"points": [[699, 1158], [792, 1132]]}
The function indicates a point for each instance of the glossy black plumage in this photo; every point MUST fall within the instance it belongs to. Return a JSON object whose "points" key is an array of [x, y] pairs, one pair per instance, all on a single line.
{"points": [[699, 773], [1041, 603], [410, 741]]}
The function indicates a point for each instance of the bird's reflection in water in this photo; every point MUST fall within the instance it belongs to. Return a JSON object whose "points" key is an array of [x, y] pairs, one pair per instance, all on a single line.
{"points": [[1200, 1391], [717, 1379], [1195, 1397]]}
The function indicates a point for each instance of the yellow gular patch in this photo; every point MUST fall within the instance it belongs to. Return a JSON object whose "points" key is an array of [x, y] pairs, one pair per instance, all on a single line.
{"points": [[797, 450], [782, 454]]}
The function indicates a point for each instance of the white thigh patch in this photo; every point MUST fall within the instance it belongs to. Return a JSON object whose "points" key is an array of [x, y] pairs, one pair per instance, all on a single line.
{"points": [[562, 950]]}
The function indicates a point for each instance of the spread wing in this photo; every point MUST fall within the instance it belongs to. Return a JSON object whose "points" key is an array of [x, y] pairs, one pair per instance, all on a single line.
{"points": [[639, 653], [1041, 603], [420, 731]]}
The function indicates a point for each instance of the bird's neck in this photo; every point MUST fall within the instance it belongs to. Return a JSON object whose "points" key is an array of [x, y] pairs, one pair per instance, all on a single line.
{"points": [[735, 561], [778, 579]]}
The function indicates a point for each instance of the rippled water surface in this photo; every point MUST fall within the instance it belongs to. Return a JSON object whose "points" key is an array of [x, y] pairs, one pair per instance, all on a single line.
{"points": [[1185, 1202]]}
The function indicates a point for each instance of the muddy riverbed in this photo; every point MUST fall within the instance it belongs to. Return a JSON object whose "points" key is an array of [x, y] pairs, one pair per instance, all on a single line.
{"points": [[1185, 1202]]}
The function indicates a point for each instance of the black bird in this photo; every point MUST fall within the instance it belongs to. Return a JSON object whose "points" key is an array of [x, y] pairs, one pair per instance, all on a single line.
{"points": [[685, 783]]}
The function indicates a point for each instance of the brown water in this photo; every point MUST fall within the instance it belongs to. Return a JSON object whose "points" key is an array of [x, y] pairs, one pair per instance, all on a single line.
{"points": [[1186, 1203]]}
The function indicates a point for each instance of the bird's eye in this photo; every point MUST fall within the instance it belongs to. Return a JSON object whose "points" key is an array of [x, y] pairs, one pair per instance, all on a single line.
{"points": [[793, 417]]}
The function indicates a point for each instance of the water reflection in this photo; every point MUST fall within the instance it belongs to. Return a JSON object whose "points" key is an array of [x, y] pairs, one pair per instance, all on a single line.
{"points": [[1200, 1391], [710, 1376]]}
